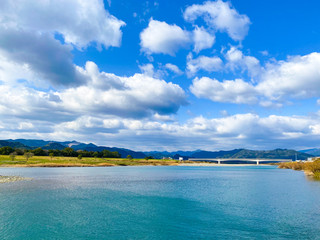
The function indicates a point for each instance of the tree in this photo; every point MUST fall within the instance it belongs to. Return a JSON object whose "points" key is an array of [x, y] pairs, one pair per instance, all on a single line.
{"points": [[148, 157], [19, 151], [13, 156], [6, 150], [51, 155], [69, 152], [129, 157], [79, 156], [95, 155], [39, 152], [28, 155]]}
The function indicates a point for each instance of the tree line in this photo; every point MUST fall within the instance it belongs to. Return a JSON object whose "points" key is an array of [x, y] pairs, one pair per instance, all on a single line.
{"points": [[66, 152]]}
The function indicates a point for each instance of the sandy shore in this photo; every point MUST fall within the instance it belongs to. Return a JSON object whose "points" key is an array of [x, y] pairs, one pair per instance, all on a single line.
{"points": [[217, 165]]}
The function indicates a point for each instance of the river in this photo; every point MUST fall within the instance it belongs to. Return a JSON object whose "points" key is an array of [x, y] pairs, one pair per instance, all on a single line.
{"points": [[174, 202]]}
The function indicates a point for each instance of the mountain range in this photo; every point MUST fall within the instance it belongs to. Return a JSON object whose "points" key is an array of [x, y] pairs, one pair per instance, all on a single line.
{"points": [[235, 153]]}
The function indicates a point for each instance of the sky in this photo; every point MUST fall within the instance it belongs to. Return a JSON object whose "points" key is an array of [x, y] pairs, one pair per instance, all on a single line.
{"points": [[162, 75]]}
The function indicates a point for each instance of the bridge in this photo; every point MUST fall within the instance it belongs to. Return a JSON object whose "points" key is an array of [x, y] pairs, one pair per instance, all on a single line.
{"points": [[257, 161]]}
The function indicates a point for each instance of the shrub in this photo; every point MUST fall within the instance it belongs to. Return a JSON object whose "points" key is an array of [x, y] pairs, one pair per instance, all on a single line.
{"points": [[28, 155]]}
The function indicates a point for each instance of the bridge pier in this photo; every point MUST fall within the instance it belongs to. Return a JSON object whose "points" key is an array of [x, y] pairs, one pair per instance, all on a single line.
{"points": [[219, 162], [258, 162]]}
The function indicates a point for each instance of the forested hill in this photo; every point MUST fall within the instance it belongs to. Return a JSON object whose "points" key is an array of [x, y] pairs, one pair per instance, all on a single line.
{"points": [[239, 153], [53, 145], [235, 153]]}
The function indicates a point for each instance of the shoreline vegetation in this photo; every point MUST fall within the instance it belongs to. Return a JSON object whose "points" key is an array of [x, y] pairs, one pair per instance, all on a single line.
{"points": [[50, 161], [60, 161], [311, 169]]}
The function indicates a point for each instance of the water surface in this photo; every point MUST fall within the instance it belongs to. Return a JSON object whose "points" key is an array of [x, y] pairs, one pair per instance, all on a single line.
{"points": [[254, 202]]}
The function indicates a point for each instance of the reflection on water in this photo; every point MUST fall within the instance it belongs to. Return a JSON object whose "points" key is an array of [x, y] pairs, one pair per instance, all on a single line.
{"points": [[159, 203]]}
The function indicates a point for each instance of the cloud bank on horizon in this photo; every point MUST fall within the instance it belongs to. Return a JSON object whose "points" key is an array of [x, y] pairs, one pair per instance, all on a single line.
{"points": [[157, 76]]}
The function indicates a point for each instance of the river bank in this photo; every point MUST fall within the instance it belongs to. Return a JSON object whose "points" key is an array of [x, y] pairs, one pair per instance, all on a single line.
{"points": [[311, 169], [46, 161]]}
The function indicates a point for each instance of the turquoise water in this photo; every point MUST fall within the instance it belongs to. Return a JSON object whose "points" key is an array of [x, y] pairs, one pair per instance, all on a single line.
{"points": [[253, 202]]}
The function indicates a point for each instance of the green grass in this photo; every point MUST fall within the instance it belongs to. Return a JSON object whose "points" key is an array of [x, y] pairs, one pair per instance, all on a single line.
{"points": [[45, 161]]}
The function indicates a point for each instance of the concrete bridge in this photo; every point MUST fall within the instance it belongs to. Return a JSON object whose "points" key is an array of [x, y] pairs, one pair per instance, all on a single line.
{"points": [[257, 161]]}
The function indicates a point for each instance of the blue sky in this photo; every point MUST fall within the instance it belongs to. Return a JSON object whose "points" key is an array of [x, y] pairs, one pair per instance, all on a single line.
{"points": [[162, 75]]}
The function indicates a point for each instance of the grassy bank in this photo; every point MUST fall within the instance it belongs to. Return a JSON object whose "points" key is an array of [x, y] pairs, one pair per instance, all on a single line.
{"points": [[310, 168], [45, 161]]}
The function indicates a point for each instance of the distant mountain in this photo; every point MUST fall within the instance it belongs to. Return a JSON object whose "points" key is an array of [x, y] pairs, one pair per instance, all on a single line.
{"points": [[219, 154], [175, 154], [272, 154], [82, 146], [4, 143], [32, 143], [54, 145], [236, 153], [48, 145], [313, 151]]}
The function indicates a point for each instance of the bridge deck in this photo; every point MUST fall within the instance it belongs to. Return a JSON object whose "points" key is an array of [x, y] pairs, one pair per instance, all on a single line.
{"points": [[240, 159]]}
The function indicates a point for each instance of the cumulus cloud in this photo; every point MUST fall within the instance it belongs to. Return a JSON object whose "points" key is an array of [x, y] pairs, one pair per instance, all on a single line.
{"points": [[134, 96], [29, 49], [237, 91], [137, 96], [173, 68], [202, 39], [209, 64], [26, 103], [80, 22], [160, 37], [229, 132], [297, 77], [220, 16], [237, 60], [147, 69], [40, 54]]}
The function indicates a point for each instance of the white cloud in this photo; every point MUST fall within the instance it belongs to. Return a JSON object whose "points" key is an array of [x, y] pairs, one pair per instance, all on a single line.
{"points": [[202, 39], [29, 50], [137, 96], [220, 16], [160, 37], [264, 53], [147, 69], [173, 68], [237, 131], [80, 22], [25, 126], [237, 91], [297, 77], [237, 60], [41, 56], [209, 64]]}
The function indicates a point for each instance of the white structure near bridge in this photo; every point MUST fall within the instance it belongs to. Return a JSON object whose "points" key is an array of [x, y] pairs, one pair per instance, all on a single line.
{"points": [[224, 160]]}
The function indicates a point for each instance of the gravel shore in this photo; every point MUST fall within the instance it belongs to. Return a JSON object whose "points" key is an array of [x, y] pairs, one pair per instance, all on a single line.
{"points": [[6, 179]]}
